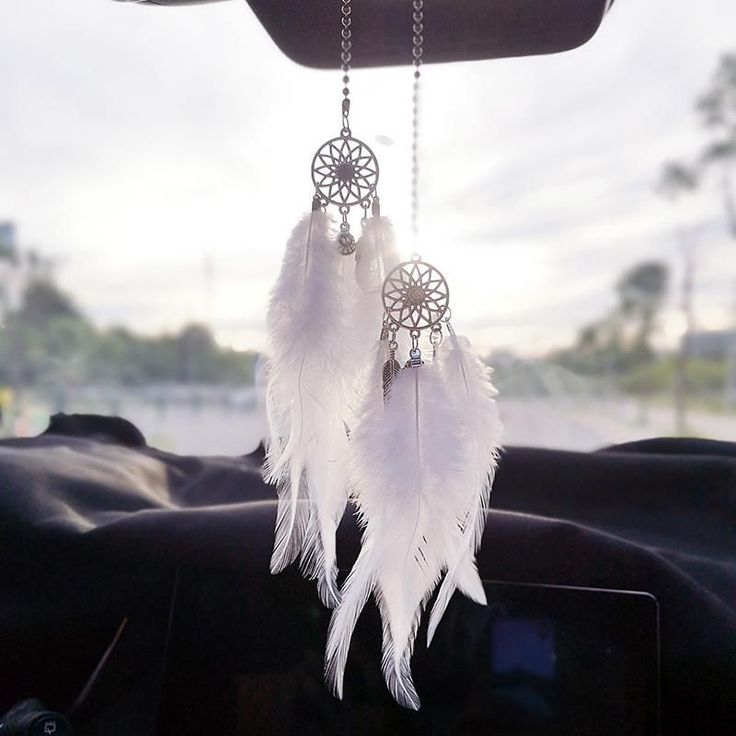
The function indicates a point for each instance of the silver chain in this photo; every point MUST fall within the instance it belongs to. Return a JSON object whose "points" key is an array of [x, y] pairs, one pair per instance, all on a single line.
{"points": [[347, 46], [346, 56], [417, 52]]}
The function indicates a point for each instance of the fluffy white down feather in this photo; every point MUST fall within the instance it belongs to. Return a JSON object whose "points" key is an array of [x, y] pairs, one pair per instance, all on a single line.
{"points": [[469, 381], [375, 257], [410, 478], [306, 396]]}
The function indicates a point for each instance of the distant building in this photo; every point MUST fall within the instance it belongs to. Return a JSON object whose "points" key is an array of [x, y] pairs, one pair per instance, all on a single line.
{"points": [[710, 344], [8, 249]]}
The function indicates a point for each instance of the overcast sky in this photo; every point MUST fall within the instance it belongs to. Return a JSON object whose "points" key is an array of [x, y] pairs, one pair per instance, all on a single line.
{"points": [[143, 148]]}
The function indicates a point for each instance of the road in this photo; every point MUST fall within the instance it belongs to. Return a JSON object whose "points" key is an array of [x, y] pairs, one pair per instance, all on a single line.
{"points": [[216, 429]]}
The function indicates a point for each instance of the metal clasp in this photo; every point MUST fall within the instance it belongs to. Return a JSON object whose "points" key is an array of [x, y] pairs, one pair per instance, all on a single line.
{"points": [[345, 117], [415, 358]]}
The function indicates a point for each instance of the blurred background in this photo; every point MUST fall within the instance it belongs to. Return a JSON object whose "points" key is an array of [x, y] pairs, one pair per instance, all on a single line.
{"points": [[583, 207]]}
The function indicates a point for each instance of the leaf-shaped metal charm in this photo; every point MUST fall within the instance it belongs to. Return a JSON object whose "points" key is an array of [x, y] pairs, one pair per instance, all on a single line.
{"points": [[391, 369]]}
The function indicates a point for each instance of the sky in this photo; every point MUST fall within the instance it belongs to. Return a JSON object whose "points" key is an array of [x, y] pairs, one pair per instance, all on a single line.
{"points": [[161, 157]]}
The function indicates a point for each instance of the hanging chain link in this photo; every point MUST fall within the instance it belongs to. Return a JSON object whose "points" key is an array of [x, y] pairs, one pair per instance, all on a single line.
{"points": [[346, 57], [347, 45], [417, 52]]}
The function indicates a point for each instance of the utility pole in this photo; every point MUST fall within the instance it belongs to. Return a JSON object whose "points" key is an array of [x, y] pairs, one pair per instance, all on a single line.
{"points": [[687, 246]]}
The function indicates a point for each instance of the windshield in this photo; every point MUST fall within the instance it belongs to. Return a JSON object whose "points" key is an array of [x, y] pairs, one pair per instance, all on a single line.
{"points": [[153, 162]]}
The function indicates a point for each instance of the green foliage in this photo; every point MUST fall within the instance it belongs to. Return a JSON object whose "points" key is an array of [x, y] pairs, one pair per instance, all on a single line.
{"points": [[676, 179], [702, 377], [55, 351], [621, 340], [43, 302], [647, 378], [191, 356], [706, 376], [48, 341], [641, 292], [716, 108], [642, 288]]}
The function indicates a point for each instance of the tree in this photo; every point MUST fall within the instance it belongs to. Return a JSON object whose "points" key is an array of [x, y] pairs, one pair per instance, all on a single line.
{"points": [[676, 179], [717, 108], [620, 342], [641, 291], [43, 302], [52, 345]]}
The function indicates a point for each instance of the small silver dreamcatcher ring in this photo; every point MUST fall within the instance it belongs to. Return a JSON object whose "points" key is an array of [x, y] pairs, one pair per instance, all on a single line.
{"points": [[344, 171], [415, 295]]}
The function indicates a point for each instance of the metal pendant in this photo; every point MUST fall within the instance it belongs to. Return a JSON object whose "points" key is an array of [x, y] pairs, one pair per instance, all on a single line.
{"points": [[345, 240], [415, 295], [391, 369], [345, 172]]}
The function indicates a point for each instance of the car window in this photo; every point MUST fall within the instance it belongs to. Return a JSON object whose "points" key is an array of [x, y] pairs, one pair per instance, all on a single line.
{"points": [[153, 162]]}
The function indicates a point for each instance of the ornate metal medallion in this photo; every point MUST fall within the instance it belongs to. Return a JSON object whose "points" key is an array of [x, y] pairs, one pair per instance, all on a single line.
{"points": [[415, 295], [345, 171]]}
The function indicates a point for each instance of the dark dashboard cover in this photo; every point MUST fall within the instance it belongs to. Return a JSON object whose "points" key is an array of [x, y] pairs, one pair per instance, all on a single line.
{"points": [[90, 515]]}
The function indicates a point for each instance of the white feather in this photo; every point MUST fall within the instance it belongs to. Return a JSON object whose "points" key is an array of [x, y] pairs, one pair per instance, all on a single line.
{"points": [[307, 394], [469, 380], [375, 256], [410, 480]]}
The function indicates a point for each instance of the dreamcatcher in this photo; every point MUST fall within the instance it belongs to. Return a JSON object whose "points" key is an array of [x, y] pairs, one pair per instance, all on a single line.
{"points": [[412, 438], [315, 349]]}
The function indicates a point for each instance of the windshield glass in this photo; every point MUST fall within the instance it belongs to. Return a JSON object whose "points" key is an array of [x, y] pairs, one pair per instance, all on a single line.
{"points": [[153, 162]]}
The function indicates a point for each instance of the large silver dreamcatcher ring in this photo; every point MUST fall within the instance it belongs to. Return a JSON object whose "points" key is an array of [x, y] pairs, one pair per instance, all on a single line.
{"points": [[345, 172], [415, 295]]}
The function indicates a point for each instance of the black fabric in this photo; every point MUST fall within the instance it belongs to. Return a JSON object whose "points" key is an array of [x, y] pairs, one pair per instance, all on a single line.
{"points": [[89, 499]]}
